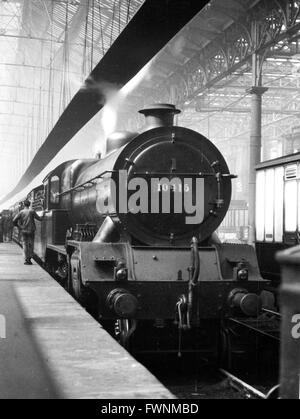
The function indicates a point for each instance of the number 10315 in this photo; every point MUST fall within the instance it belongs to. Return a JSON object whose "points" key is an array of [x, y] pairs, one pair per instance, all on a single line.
{"points": [[163, 187]]}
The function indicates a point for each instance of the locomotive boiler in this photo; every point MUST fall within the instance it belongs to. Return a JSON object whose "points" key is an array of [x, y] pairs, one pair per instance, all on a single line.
{"points": [[133, 234]]}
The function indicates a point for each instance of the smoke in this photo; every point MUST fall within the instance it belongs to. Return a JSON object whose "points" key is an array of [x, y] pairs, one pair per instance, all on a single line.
{"points": [[115, 101], [176, 48], [109, 118], [95, 132], [143, 75]]}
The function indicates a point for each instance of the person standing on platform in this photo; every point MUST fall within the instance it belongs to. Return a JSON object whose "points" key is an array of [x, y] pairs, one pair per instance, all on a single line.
{"points": [[7, 227], [1, 228], [10, 227], [4, 226], [25, 221]]}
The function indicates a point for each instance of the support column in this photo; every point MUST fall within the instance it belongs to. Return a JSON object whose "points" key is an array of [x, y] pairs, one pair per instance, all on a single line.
{"points": [[288, 144], [255, 153]]}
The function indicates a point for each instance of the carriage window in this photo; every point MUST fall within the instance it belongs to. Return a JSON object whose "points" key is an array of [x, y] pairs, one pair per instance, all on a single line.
{"points": [[291, 206], [269, 206], [260, 206], [279, 191], [54, 190], [298, 206]]}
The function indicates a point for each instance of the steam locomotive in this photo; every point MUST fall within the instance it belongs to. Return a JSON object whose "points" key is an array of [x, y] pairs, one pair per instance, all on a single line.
{"points": [[132, 235]]}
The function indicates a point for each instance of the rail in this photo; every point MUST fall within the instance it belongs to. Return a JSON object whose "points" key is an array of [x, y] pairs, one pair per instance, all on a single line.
{"points": [[273, 313], [247, 389], [263, 328]]}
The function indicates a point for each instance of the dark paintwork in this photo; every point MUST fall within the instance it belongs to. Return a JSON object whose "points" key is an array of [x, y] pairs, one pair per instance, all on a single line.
{"points": [[159, 270], [153, 152], [269, 267], [157, 277]]}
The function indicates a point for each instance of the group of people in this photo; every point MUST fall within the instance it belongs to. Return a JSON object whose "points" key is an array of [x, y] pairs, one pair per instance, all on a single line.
{"points": [[25, 222], [6, 226]]}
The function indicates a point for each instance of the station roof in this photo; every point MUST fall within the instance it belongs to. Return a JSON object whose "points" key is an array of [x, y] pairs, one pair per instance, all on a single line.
{"points": [[207, 71], [47, 49]]}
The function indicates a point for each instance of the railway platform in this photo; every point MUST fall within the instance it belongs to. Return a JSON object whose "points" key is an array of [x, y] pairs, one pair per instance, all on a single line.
{"points": [[50, 347]]}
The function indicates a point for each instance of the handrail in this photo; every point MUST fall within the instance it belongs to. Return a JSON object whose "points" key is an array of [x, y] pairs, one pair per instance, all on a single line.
{"points": [[82, 185], [195, 174], [203, 175]]}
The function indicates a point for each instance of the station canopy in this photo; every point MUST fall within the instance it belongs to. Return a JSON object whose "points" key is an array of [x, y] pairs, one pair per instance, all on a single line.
{"points": [[47, 49]]}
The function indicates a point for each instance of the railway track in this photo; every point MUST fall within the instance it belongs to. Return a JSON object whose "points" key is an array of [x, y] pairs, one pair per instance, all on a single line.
{"points": [[248, 391], [267, 325], [201, 378], [191, 379], [210, 382]]}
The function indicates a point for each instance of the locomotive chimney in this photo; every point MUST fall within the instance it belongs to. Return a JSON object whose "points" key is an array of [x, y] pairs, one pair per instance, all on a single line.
{"points": [[159, 115]]}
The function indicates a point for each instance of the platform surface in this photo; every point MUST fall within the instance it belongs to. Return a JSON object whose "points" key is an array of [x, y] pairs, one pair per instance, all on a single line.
{"points": [[50, 347]]}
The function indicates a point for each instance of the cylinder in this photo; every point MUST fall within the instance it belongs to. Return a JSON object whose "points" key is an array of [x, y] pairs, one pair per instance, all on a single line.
{"points": [[123, 303], [249, 304]]}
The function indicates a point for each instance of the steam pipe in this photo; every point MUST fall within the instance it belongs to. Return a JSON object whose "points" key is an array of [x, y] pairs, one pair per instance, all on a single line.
{"points": [[107, 233], [196, 261], [195, 271]]}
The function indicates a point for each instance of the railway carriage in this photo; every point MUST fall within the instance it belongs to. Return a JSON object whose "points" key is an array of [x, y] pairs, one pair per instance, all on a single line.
{"points": [[277, 211]]}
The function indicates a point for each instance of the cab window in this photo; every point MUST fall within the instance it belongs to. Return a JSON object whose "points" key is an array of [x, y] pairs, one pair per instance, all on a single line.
{"points": [[54, 190]]}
